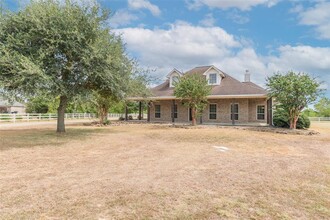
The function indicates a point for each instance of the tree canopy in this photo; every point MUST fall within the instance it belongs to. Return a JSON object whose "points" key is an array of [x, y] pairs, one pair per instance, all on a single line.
{"points": [[61, 50], [322, 107], [193, 90], [294, 91]]}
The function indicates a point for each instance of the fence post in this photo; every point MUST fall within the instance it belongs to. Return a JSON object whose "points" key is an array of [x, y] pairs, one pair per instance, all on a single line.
{"points": [[14, 118], [28, 116]]}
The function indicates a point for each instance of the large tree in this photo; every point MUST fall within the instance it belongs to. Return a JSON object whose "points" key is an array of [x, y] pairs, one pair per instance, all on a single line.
{"points": [[193, 90], [323, 107], [59, 49], [294, 91]]}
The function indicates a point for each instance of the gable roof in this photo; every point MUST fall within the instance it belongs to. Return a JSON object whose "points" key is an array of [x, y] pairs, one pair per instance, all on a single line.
{"points": [[204, 69], [229, 86], [174, 71]]}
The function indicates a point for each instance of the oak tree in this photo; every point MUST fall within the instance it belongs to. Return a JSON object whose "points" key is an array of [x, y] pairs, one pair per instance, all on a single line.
{"points": [[62, 49]]}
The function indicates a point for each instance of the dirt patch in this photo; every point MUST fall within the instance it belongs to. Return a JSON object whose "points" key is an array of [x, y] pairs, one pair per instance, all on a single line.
{"points": [[142, 171]]}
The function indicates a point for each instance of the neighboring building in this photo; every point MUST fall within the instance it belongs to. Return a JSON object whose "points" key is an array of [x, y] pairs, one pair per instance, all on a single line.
{"points": [[7, 107], [231, 101]]}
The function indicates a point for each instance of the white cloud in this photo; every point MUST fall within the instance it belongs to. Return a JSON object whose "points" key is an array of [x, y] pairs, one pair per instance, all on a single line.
{"points": [[243, 5], [144, 4], [237, 17], [313, 60], [122, 17], [184, 46], [319, 17], [208, 21], [296, 9]]}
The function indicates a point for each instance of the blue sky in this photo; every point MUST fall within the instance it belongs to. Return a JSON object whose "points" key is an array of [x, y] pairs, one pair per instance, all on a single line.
{"points": [[263, 36]]}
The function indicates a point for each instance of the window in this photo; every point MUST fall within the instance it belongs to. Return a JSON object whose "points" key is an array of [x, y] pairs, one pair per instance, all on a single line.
{"points": [[213, 78], [261, 112], [234, 112], [174, 80], [175, 111], [157, 111], [213, 111]]}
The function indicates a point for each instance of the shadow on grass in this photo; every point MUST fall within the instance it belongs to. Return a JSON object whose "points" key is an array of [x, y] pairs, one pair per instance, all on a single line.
{"points": [[44, 137]]}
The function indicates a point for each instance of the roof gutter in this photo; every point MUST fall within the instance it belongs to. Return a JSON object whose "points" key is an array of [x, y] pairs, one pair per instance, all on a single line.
{"points": [[208, 97]]}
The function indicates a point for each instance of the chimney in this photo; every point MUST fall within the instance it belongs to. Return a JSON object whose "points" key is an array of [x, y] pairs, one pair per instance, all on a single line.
{"points": [[247, 76]]}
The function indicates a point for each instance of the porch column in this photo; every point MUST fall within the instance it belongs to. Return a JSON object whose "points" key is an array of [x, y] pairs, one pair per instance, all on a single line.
{"points": [[232, 114], [270, 112], [126, 113], [140, 110], [148, 112], [173, 108]]}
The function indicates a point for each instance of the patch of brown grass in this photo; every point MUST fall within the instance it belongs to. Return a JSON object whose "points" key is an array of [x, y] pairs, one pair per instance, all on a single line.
{"points": [[157, 172]]}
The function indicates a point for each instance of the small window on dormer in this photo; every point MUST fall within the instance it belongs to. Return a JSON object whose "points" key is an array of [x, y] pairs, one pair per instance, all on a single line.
{"points": [[174, 80], [213, 78]]}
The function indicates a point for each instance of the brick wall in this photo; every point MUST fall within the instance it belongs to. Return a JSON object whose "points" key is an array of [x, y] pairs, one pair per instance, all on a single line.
{"points": [[247, 110]]}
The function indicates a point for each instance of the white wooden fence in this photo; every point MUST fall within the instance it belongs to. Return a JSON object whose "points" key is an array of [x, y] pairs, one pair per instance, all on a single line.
{"points": [[39, 117], [319, 118]]}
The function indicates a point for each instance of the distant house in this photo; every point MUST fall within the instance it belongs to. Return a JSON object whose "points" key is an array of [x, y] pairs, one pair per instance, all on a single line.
{"points": [[7, 107], [230, 101]]}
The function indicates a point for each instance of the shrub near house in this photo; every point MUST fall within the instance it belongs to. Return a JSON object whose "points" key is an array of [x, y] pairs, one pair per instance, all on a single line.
{"points": [[281, 119]]}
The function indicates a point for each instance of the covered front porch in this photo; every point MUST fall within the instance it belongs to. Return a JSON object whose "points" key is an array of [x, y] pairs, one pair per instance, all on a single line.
{"points": [[238, 111]]}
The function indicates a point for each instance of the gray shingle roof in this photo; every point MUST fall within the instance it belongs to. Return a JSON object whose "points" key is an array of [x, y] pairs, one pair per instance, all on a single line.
{"points": [[7, 104], [228, 86]]}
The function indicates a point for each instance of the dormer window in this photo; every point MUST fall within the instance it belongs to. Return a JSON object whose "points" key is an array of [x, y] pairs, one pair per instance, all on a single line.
{"points": [[174, 80], [214, 75], [213, 78], [173, 77]]}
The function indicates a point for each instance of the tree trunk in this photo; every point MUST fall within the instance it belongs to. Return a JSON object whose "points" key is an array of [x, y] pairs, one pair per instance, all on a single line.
{"points": [[193, 116], [294, 116], [291, 123], [60, 114], [295, 121], [103, 112], [291, 117]]}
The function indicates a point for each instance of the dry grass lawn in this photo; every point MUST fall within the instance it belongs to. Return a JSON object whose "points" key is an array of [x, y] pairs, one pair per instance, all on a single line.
{"points": [[159, 172]]}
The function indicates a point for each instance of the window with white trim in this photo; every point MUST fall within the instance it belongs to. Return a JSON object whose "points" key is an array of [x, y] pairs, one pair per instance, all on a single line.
{"points": [[212, 78], [234, 111], [213, 111], [174, 80], [260, 112], [157, 111]]}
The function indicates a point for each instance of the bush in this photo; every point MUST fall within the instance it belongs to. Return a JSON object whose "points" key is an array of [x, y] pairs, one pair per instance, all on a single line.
{"points": [[281, 120], [303, 122]]}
